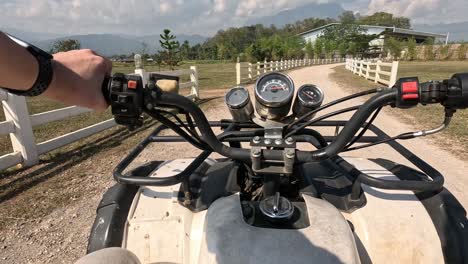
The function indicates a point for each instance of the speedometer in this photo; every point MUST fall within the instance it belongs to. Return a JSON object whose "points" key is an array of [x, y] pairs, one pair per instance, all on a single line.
{"points": [[274, 93]]}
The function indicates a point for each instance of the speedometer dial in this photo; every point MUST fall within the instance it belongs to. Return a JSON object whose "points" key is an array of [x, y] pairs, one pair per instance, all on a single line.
{"points": [[274, 93]]}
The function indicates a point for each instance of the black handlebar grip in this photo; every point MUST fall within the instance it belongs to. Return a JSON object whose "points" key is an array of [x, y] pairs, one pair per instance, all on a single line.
{"points": [[105, 88]]}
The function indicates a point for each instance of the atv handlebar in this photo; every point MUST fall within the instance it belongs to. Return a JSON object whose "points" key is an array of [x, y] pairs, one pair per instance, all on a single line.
{"points": [[129, 100]]}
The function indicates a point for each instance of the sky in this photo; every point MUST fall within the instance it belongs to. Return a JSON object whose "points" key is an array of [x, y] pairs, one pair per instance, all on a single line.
{"points": [[204, 17]]}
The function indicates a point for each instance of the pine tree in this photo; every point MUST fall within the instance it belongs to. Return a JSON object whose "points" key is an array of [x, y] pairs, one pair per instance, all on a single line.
{"points": [[171, 48]]}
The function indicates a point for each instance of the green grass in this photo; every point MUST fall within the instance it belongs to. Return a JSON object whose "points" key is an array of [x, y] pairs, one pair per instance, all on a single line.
{"points": [[212, 75], [420, 116]]}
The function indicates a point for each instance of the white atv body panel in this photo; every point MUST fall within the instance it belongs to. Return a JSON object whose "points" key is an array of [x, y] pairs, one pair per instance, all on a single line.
{"points": [[393, 227]]}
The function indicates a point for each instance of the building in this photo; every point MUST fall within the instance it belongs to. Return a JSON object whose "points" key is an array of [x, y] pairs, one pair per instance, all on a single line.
{"points": [[381, 31]]}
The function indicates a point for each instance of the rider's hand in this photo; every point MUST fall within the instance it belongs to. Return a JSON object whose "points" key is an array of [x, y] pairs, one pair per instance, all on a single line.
{"points": [[78, 77]]}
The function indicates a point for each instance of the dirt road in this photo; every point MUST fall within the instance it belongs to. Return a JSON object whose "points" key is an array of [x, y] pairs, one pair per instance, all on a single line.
{"points": [[61, 237]]}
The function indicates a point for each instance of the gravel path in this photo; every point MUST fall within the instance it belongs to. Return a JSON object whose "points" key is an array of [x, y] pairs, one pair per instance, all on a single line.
{"points": [[61, 237]]}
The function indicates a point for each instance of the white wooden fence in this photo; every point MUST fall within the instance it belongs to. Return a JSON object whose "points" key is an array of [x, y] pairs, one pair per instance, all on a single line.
{"points": [[248, 72], [19, 124], [378, 71]]}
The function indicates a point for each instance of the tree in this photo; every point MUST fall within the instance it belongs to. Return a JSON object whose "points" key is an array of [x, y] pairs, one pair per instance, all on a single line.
{"points": [[144, 51], [318, 47], [65, 45], [171, 48], [158, 58], [343, 48], [347, 17], [348, 33], [394, 46], [329, 47], [412, 52], [185, 50], [309, 49], [385, 19]]}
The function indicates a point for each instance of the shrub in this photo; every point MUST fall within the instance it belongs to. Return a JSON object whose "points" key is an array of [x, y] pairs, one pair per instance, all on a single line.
{"points": [[461, 51], [393, 46], [444, 52], [412, 53], [429, 53]]}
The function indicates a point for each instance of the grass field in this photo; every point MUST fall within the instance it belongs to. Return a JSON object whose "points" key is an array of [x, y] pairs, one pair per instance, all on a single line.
{"points": [[212, 75], [421, 116]]}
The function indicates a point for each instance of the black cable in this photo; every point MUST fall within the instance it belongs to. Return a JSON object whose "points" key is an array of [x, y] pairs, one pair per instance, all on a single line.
{"points": [[193, 133], [311, 122], [177, 130], [408, 135], [364, 129], [325, 106]]}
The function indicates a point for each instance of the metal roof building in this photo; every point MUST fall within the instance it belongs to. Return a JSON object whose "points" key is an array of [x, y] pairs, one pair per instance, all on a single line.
{"points": [[419, 36]]}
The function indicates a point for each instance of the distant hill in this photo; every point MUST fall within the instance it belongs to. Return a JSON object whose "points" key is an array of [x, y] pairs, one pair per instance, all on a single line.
{"points": [[324, 10], [30, 36], [458, 31], [109, 44]]}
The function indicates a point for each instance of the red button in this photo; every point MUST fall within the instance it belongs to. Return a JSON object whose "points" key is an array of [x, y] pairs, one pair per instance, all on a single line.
{"points": [[132, 84], [409, 87], [410, 96]]}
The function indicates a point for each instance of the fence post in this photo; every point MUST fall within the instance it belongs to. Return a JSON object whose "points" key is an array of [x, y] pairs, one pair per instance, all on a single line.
{"points": [[250, 71], [265, 65], [258, 68], [367, 70], [360, 68], [377, 70], [140, 70], [194, 79], [22, 139], [393, 74], [238, 72]]}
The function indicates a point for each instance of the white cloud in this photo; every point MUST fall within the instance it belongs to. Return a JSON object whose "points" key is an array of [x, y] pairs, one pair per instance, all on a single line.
{"points": [[422, 11], [190, 16]]}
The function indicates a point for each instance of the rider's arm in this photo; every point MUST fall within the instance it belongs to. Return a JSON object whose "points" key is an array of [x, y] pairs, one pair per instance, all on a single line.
{"points": [[77, 77]]}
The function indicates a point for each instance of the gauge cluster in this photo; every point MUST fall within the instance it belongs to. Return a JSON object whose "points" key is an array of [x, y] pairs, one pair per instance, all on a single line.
{"points": [[274, 93]]}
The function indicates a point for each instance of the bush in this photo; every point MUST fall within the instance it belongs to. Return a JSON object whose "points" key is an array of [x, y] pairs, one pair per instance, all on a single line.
{"points": [[444, 52], [429, 53], [461, 51], [412, 53], [393, 46]]}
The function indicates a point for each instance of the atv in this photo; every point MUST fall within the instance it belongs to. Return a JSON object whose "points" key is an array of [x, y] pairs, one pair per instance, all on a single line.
{"points": [[283, 191]]}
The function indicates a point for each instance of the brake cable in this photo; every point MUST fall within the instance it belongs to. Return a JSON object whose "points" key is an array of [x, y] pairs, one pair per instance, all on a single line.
{"points": [[311, 122], [330, 104], [411, 135], [364, 129]]}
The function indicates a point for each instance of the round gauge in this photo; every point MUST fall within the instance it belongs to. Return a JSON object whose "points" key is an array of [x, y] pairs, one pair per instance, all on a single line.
{"points": [[239, 104], [274, 93], [309, 97]]}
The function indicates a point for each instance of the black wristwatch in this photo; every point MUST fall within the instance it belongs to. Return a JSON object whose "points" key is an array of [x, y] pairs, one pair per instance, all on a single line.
{"points": [[44, 78]]}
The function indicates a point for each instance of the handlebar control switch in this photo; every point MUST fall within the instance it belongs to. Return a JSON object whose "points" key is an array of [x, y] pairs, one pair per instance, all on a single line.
{"points": [[456, 91], [126, 99], [408, 92]]}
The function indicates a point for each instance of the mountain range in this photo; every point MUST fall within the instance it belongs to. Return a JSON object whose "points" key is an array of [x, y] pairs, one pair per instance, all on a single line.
{"points": [[110, 44]]}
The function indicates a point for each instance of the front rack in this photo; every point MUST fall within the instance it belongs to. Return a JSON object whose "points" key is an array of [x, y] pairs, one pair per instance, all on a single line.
{"points": [[155, 137]]}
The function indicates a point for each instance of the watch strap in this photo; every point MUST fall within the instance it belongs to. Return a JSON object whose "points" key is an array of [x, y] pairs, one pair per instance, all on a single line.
{"points": [[45, 75]]}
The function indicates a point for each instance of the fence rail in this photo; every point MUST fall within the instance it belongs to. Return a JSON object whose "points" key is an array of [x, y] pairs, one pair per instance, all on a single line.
{"points": [[374, 70], [248, 72], [19, 124]]}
